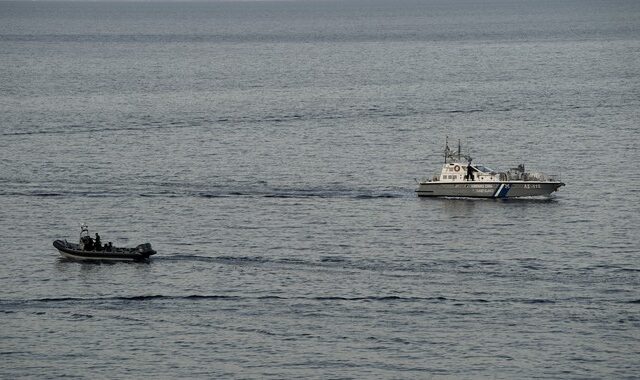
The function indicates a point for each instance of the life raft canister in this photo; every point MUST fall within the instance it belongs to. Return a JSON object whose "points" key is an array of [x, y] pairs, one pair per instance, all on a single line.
{"points": [[456, 168]]}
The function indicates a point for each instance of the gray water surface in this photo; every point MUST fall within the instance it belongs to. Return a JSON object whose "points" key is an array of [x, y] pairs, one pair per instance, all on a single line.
{"points": [[268, 151]]}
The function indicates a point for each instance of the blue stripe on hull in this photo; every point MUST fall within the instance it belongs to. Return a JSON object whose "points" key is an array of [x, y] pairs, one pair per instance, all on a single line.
{"points": [[502, 190]]}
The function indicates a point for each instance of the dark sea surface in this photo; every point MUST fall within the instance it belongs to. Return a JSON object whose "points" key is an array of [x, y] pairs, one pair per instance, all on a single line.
{"points": [[268, 151]]}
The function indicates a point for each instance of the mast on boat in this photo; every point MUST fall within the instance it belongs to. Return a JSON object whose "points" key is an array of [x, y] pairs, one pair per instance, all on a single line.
{"points": [[446, 149], [449, 155]]}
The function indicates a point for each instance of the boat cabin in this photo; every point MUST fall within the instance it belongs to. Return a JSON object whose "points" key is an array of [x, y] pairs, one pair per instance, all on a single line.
{"points": [[458, 167], [463, 172]]}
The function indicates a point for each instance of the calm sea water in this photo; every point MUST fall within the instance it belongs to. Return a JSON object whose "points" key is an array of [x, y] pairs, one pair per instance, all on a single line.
{"points": [[268, 151]]}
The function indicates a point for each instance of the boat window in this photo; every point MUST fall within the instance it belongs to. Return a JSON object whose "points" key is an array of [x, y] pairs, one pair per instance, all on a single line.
{"points": [[483, 169]]}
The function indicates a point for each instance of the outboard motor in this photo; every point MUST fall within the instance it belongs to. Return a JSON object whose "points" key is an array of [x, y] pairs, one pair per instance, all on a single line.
{"points": [[145, 249]]}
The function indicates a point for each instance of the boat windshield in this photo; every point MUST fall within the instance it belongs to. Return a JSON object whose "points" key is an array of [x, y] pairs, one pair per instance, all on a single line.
{"points": [[483, 169]]}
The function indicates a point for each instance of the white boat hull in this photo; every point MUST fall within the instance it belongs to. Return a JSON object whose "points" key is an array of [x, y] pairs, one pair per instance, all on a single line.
{"points": [[501, 189]]}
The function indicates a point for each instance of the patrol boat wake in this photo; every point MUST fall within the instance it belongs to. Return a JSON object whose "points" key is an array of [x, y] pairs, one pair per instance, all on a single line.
{"points": [[460, 177]]}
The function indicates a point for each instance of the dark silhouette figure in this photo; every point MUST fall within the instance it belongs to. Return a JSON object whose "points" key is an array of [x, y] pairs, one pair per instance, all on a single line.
{"points": [[469, 176], [88, 243], [98, 244]]}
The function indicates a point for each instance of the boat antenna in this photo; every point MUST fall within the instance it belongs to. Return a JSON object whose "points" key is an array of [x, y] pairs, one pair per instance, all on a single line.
{"points": [[459, 150]]}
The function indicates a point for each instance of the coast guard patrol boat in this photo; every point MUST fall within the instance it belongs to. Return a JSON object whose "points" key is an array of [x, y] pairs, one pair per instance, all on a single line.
{"points": [[462, 178]]}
